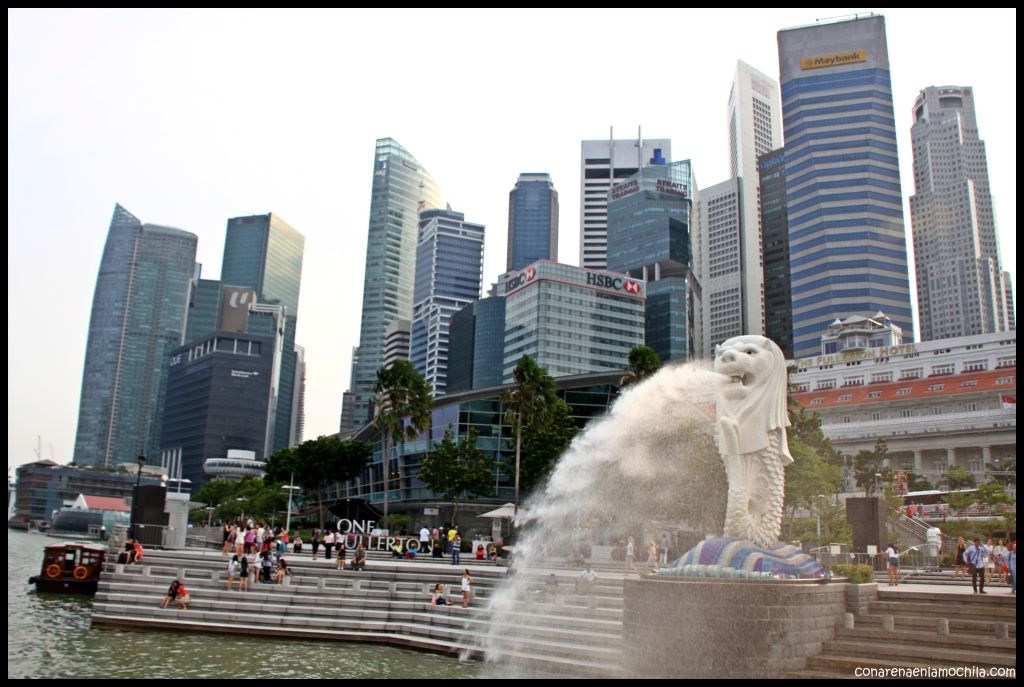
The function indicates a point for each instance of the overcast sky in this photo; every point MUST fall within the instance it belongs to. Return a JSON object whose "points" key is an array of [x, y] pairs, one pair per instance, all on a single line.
{"points": [[188, 118]]}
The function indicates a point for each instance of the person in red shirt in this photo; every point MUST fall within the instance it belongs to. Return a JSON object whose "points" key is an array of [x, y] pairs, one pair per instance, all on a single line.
{"points": [[177, 592]]}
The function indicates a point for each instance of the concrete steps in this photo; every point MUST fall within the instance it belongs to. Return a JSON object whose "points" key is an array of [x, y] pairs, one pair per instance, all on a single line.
{"points": [[940, 577], [388, 602], [974, 625]]}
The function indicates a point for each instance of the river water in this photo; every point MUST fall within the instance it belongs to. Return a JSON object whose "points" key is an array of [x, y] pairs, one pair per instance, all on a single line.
{"points": [[48, 636]]}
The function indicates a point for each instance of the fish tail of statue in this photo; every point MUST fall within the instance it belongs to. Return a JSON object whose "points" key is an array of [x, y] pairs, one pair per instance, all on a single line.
{"points": [[755, 496]]}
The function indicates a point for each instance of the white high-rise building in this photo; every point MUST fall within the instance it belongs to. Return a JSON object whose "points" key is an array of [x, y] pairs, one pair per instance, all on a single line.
{"points": [[602, 164], [449, 272], [755, 128], [961, 288], [722, 258]]}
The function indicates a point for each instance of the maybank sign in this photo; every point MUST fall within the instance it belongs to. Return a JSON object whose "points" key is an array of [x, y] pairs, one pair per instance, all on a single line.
{"points": [[834, 60]]}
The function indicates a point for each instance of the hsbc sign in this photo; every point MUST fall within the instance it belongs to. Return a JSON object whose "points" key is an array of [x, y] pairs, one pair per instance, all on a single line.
{"points": [[523, 277], [608, 281]]}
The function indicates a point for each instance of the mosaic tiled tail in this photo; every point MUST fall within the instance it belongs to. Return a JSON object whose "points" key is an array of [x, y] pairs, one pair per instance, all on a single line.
{"points": [[738, 558]]}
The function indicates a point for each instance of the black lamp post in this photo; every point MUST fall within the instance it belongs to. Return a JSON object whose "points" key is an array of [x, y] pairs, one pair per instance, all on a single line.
{"points": [[135, 498]]}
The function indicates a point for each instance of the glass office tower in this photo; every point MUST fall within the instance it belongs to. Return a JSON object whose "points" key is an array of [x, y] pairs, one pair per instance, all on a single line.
{"points": [[848, 247], [650, 220], [264, 253], [138, 318], [401, 189], [532, 221]]}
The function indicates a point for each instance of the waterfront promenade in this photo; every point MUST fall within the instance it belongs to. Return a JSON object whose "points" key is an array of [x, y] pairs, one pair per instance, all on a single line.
{"points": [[923, 625], [389, 603]]}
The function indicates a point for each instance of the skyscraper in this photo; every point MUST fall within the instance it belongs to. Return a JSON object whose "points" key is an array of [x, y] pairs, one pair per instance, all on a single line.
{"points": [[755, 128], [138, 318], [219, 396], [602, 165], [848, 250], [401, 188], [264, 253], [960, 283], [476, 345], [449, 272], [724, 268], [532, 221], [651, 225], [778, 303], [598, 319]]}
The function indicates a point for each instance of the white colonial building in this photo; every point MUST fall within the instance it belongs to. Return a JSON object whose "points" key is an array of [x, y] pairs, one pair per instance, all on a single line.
{"points": [[936, 404]]}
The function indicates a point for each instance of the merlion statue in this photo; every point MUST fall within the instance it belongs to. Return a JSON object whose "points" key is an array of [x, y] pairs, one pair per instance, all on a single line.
{"points": [[752, 423]]}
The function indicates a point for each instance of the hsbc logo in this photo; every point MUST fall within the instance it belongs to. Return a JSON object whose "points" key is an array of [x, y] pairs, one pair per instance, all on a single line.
{"points": [[524, 277], [607, 281]]}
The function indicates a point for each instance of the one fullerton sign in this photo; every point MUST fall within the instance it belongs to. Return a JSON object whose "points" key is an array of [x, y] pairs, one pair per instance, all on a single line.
{"points": [[834, 60]]}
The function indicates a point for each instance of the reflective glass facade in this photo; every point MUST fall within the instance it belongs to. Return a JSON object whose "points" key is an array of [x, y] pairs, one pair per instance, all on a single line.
{"points": [[588, 396], [848, 253], [449, 271], [650, 220], [476, 345], [138, 317], [572, 320], [532, 221], [401, 188], [203, 309], [775, 240], [603, 164], [264, 253]]}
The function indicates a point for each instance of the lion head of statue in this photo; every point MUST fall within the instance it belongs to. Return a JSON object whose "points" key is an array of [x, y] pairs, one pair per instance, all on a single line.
{"points": [[753, 392]]}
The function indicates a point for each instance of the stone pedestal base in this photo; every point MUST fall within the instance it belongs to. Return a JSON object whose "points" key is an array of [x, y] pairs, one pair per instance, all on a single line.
{"points": [[696, 627]]}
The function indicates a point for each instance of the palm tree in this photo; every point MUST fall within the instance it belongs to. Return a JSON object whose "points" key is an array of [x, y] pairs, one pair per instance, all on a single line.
{"points": [[402, 394], [531, 390]]}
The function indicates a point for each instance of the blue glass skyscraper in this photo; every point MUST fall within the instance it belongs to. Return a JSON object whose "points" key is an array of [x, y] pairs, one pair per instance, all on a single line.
{"points": [[138, 318], [848, 247], [476, 345], [532, 221]]}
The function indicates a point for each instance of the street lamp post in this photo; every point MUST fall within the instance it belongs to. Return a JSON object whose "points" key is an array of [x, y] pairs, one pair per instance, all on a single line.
{"points": [[209, 516], [291, 490], [135, 498], [878, 477]]}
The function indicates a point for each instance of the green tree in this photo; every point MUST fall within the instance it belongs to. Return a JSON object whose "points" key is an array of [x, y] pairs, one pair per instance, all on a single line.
{"points": [[916, 482], [810, 482], [317, 463], [806, 427], [220, 494], [1003, 471], [995, 495], [533, 408], [544, 439], [258, 498], [403, 409], [958, 478], [456, 468], [643, 362], [869, 463]]}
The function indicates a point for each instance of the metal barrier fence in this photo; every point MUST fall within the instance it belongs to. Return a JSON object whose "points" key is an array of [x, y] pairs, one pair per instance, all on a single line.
{"points": [[916, 559]]}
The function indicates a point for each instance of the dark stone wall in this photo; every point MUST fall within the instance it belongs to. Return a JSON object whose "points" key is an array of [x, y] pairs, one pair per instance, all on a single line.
{"points": [[699, 627]]}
